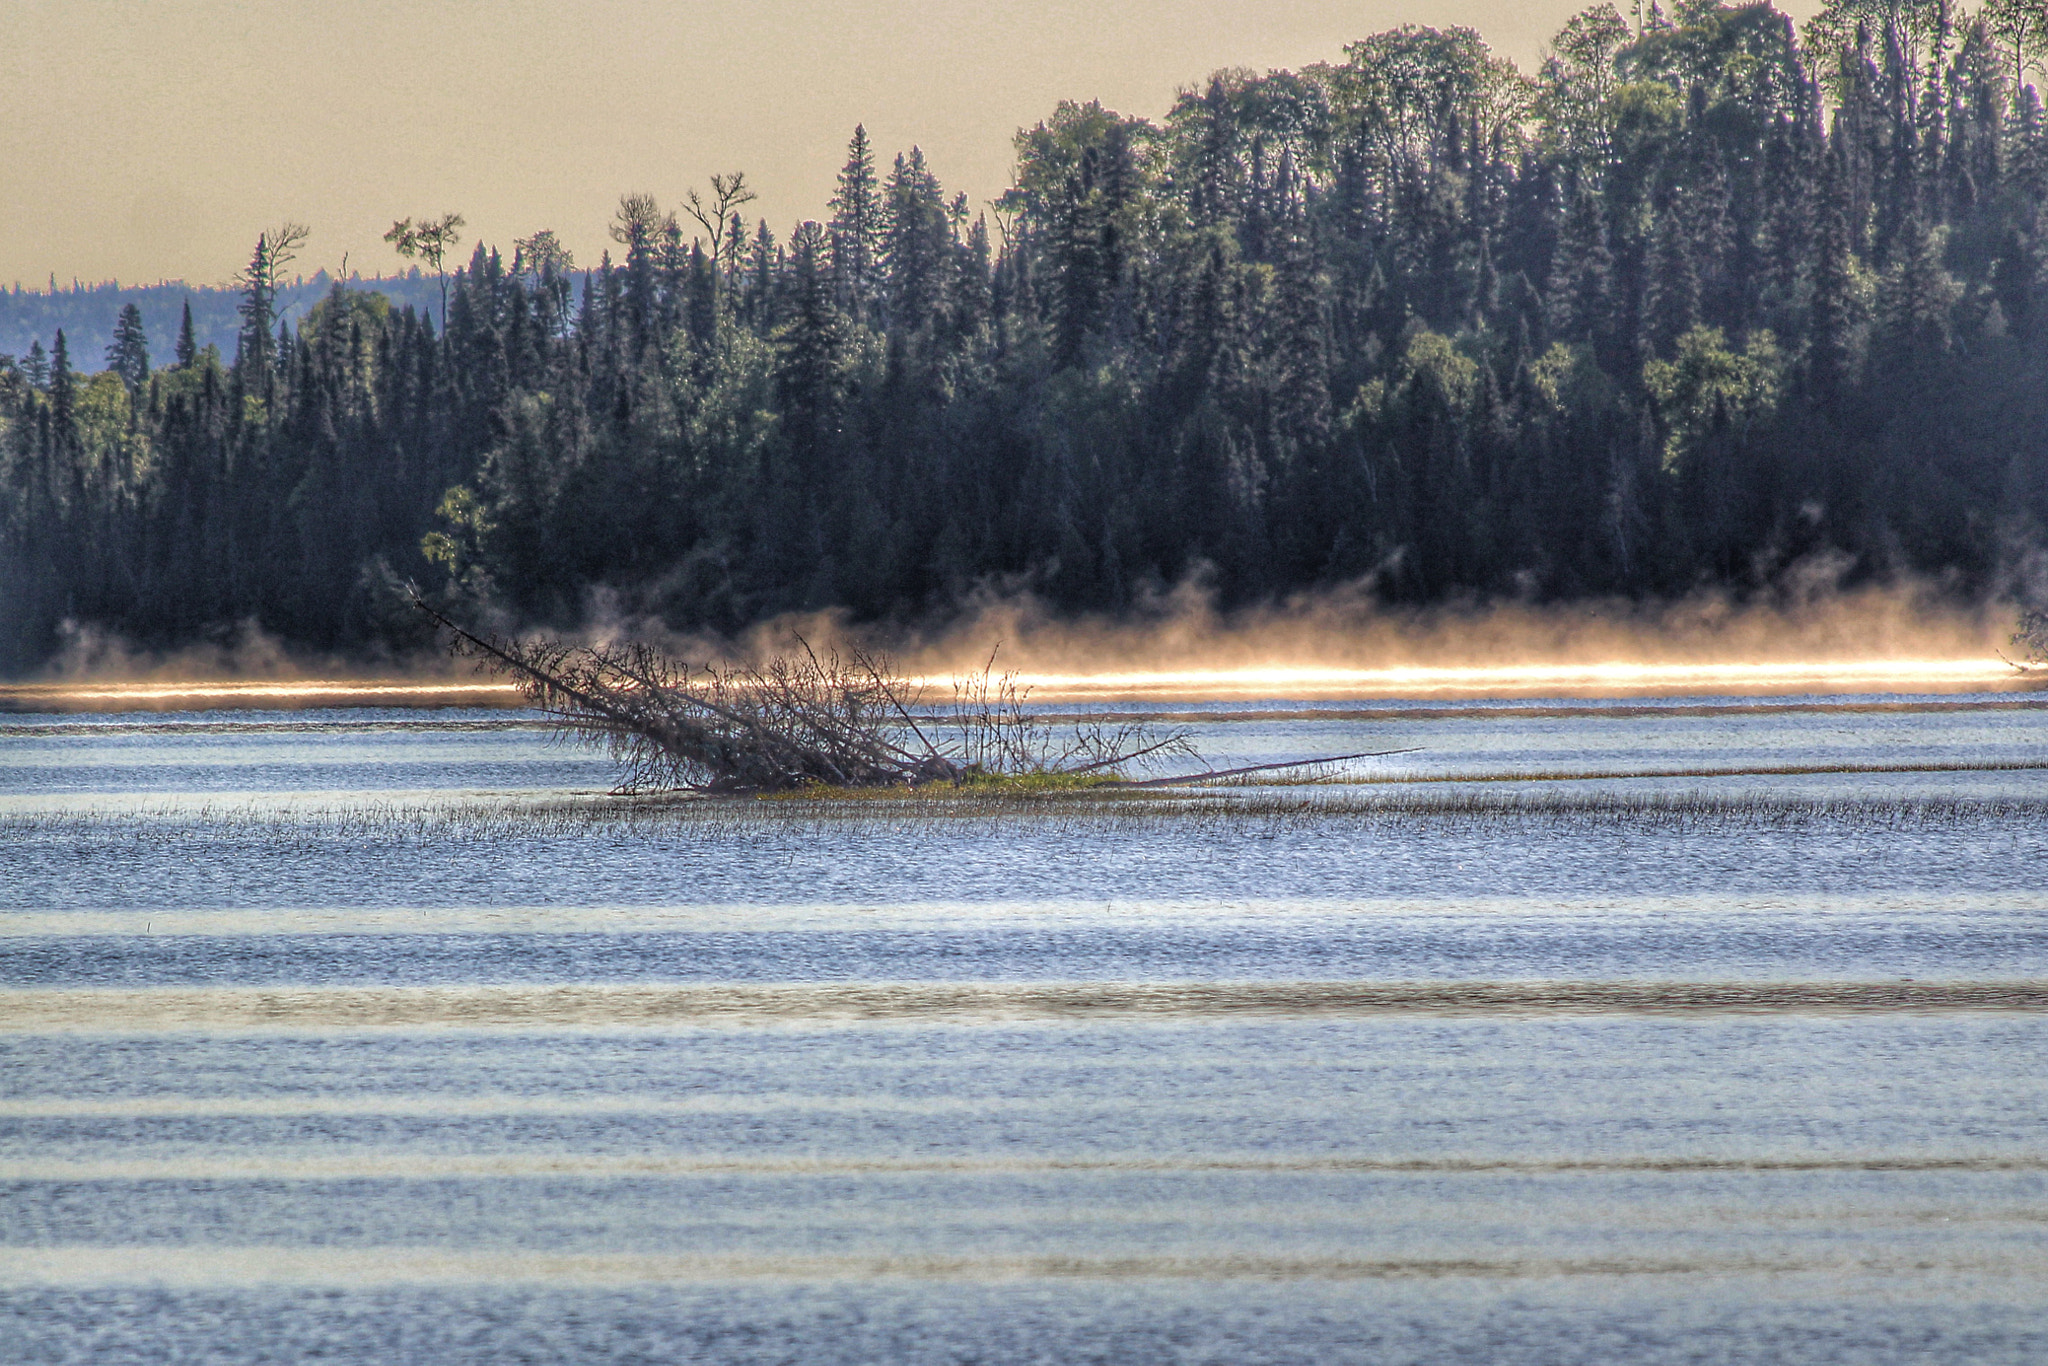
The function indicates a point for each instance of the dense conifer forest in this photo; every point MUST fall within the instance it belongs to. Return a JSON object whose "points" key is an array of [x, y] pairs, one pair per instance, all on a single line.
{"points": [[1702, 297]]}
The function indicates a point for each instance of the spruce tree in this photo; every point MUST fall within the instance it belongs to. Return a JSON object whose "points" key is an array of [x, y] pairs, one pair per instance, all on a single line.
{"points": [[1216, 190], [1579, 299], [1911, 326], [809, 388], [188, 345], [1300, 341], [252, 347], [975, 299], [1077, 265], [761, 291], [67, 470], [128, 354], [1671, 288], [810, 344], [916, 246], [61, 388], [1831, 310], [856, 227]]}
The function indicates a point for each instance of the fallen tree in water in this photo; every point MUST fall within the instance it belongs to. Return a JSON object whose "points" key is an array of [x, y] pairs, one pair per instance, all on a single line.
{"points": [[805, 719], [2031, 640]]}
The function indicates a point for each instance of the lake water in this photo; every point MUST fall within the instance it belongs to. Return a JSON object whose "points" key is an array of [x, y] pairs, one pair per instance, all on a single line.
{"points": [[1694, 1030]]}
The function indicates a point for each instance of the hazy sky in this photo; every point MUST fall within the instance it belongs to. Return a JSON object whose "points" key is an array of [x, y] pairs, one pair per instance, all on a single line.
{"points": [[148, 139]]}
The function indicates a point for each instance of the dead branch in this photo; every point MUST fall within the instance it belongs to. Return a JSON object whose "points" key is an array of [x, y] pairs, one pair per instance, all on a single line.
{"points": [[1180, 778], [804, 719]]}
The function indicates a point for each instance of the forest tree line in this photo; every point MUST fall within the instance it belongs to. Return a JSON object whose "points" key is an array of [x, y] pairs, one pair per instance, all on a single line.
{"points": [[1704, 295], [88, 313]]}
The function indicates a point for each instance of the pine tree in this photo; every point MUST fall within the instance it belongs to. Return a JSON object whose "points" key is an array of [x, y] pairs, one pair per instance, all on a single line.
{"points": [[1786, 234], [35, 367]]}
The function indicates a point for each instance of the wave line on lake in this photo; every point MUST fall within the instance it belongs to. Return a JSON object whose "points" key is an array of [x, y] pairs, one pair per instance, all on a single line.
{"points": [[373, 1165], [219, 1265], [148, 1009]]}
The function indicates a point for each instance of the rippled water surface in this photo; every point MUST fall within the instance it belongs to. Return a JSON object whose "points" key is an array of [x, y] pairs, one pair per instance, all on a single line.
{"points": [[1697, 1030]]}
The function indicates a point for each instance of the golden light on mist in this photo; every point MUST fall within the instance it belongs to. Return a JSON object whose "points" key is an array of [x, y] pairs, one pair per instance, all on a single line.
{"points": [[206, 695], [1610, 679], [1617, 678]]}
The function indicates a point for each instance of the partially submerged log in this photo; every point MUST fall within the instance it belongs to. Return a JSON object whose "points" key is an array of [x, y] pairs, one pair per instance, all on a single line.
{"points": [[804, 719]]}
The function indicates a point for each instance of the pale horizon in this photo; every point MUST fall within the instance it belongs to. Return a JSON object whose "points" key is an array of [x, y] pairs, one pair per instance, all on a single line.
{"points": [[151, 146]]}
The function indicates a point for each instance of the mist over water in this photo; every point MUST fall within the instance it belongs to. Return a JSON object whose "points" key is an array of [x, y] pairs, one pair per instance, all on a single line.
{"points": [[1707, 1028], [1180, 646], [1184, 631]]}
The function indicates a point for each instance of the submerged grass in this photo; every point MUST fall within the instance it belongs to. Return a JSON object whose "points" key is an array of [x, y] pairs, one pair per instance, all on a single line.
{"points": [[973, 787], [1042, 805]]}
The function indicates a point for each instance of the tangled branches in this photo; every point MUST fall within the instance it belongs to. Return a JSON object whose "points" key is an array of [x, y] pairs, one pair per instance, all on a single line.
{"points": [[2031, 640], [996, 735], [800, 720]]}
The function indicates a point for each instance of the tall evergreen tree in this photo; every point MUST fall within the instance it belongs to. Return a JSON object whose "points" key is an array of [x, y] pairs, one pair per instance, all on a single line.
{"points": [[1671, 302], [1580, 299], [917, 244], [188, 345], [810, 354], [856, 228], [1912, 325], [62, 390], [128, 353]]}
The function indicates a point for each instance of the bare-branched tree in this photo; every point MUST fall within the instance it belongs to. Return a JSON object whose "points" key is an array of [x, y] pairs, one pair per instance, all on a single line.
{"points": [[429, 239], [716, 216]]}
